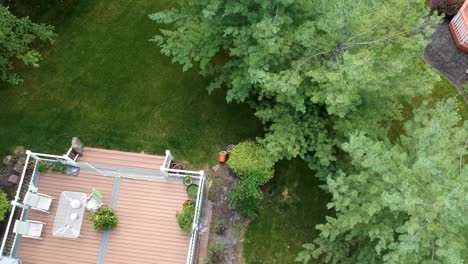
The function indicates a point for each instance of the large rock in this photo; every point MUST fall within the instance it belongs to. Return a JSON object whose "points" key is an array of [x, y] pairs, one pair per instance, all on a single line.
{"points": [[18, 169], [8, 161], [77, 145], [19, 151], [21, 160]]}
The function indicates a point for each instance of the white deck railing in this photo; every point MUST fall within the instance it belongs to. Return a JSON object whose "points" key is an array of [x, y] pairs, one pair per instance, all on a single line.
{"points": [[196, 225], [14, 203], [200, 176]]}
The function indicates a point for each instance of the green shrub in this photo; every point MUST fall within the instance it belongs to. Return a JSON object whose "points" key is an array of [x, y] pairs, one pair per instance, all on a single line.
{"points": [[251, 163], [465, 88], [58, 167], [447, 7], [104, 219], [216, 251], [219, 227], [185, 218], [192, 191], [43, 166], [4, 205], [251, 160]]}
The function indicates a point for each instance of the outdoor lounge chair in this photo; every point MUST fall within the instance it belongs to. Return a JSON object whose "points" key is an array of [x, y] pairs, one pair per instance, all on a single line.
{"points": [[94, 201], [29, 228], [38, 201]]}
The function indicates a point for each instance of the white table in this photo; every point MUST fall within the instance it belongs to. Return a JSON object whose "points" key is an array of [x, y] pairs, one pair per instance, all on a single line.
{"points": [[69, 216]]}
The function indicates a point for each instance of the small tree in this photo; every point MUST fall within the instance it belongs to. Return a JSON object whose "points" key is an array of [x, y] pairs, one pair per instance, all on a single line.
{"points": [[17, 37]]}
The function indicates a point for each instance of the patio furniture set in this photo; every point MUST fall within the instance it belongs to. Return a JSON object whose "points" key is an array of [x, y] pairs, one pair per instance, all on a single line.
{"points": [[69, 215]]}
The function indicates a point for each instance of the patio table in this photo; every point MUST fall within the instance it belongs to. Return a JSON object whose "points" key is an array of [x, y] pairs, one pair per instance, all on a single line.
{"points": [[69, 216]]}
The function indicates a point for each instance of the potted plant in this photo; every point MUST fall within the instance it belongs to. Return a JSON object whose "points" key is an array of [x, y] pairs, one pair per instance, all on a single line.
{"points": [[192, 191], [43, 166], [222, 156], [187, 180], [185, 218], [104, 219], [229, 148]]}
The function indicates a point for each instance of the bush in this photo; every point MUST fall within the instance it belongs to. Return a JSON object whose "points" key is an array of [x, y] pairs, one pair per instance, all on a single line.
{"points": [[185, 218], [43, 166], [219, 227], [4, 205], [465, 88], [104, 219], [447, 7], [250, 160], [215, 251], [251, 163], [192, 191]]}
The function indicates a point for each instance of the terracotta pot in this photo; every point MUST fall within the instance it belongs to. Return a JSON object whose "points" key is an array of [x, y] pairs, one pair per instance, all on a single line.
{"points": [[222, 156], [229, 148]]}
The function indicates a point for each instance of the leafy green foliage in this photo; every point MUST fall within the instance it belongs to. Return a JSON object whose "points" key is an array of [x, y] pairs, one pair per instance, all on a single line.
{"points": [[43, 166], [251, 160], [104, 219], [4, 205], [185, 217], [253, 167], [405, 203], [219, 227], [215, 252], [192, 191], [58, 167], [18, 36], [187, 180], [314, 71]]}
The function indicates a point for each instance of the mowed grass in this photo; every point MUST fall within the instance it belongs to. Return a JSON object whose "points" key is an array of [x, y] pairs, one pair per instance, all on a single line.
{"points": [[293, 205], [105, 82]]}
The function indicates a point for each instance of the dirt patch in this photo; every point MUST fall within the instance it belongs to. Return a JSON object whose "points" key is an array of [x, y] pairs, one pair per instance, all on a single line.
{"points": [[222, 180], [446, 58]]}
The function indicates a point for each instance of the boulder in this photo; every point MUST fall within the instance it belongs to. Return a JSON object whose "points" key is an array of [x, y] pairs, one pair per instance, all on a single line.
{"points": [[18, 169], [19, 151], [77, 145], [8, 161], [21, 160]]}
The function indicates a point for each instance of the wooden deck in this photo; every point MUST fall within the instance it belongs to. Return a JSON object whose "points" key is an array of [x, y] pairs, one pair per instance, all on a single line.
{"points": [[147, 232], [122, 159]]}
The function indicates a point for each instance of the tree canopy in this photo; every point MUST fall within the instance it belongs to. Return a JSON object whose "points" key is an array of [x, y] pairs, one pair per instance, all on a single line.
{"points": [[314, 71], [405, 203], [18, 39]]}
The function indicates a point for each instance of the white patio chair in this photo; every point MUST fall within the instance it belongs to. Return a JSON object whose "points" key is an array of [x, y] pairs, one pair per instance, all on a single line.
{"points": [[29, 228], [94, 201], [38, 201]]}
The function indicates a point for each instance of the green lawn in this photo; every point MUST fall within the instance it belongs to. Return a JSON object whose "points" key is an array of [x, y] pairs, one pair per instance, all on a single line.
{"points": [[106, 83], [292, 207]]}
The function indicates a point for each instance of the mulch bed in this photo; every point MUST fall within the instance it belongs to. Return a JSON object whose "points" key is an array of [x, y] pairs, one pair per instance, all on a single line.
{"points": [[446, 58], [222, 180]]}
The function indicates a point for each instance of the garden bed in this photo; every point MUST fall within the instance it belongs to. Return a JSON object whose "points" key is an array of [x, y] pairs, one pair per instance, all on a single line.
{"points": [[231, 235]]}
